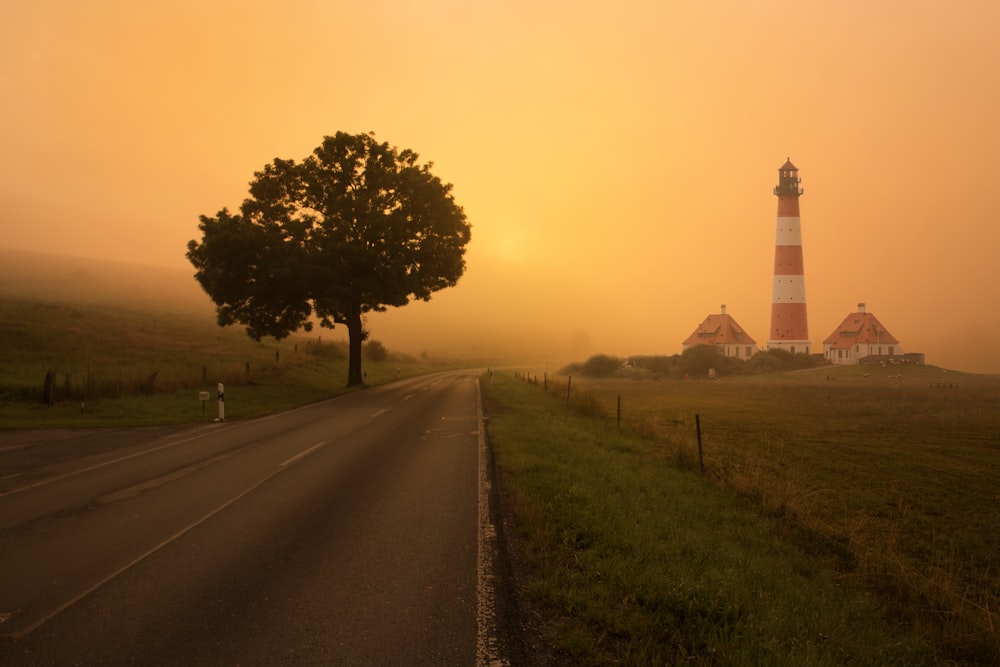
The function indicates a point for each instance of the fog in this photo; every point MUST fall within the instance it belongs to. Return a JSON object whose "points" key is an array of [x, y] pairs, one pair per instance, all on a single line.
{"points": [[616, 162], [437, 328], [441, 329]]}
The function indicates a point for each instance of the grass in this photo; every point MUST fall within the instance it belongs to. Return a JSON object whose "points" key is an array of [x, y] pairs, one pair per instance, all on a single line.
{"points": [[893, 477], [633, 560], [127, 365], [886, 485]]}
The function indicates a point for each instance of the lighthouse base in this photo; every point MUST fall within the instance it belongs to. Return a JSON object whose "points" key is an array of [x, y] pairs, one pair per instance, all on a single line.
{"points": [[791, 346]]}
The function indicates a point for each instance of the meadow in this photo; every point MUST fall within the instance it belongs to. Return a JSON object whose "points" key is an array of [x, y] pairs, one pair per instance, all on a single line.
{"points": [[136, 364], [884, 481], [893, 472]]}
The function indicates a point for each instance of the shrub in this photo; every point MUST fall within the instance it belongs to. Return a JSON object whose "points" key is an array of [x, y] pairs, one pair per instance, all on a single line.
{"points": [[599, 365], [657, 365], [376, 351]]}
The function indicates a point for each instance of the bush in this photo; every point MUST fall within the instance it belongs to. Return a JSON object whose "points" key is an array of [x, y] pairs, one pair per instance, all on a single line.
{"points": [[696, 361], [657, 365], [376, 351], [777, 360], [598, 366]]}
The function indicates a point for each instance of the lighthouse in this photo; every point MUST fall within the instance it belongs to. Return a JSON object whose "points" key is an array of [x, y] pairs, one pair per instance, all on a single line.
{"points": [[789, 329]]}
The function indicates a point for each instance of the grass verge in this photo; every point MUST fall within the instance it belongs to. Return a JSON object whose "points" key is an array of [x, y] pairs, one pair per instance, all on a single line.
{"points": [[895, 466], [631, 560]]}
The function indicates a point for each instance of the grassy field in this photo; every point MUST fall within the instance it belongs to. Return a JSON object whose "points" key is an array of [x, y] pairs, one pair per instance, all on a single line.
{"points": [[125, 365], [885, 485], [131, 344], [895, 476]]}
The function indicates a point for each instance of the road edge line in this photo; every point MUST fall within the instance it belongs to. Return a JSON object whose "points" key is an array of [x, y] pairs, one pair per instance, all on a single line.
{"points": [[487, 635]]}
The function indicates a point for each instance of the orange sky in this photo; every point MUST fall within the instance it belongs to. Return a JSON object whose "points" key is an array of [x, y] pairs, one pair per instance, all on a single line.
{"points": [[616, 160]]}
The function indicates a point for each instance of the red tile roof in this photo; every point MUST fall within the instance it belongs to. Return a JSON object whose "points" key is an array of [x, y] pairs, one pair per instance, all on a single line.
{"points": [[859, 328], [719, 329]]}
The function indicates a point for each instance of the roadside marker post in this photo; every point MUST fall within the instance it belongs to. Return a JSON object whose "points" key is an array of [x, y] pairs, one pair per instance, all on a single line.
{"points": [[222, 403], [701, 457]]}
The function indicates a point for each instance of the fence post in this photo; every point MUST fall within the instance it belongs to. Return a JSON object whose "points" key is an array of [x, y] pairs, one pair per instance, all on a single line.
{"points": [[569, 383], [701, 460], [49, 391]]}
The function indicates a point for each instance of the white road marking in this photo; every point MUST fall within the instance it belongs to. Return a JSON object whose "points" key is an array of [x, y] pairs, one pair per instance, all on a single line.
{"points": [[181, 438], [104, 464], [180, 533], [301, 455], [487, 643]]}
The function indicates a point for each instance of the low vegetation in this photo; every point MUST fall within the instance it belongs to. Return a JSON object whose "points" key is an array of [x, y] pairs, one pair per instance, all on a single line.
{"points": [[120, 365], [889, 473], [697, 361], [845, 515], [629, 559]]}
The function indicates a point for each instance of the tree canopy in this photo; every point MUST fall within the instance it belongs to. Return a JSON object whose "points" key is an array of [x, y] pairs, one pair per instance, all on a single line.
{"points": [[355, 227]]}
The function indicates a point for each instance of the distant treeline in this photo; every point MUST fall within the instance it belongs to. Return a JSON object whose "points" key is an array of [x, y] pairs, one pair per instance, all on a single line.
{"points": [[694, 362]]}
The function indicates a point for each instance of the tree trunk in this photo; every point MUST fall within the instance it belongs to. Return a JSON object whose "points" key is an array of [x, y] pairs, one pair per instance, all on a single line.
{"points": [[355, 336]]}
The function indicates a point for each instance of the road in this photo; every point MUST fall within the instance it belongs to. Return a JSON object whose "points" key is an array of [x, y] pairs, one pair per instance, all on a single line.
{"points": [[357, 531]]}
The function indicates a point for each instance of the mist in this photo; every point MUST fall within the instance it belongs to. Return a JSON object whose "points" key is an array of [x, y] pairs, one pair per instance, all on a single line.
{"points": [[616, 163], [530, 317]]}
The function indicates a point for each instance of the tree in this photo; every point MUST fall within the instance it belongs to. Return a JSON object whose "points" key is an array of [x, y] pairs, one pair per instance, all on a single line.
{"points": [[697, 359], [355, 227]]}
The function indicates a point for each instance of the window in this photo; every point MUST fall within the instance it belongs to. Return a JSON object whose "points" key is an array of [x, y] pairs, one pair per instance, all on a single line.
{"points": [[892, 350]]}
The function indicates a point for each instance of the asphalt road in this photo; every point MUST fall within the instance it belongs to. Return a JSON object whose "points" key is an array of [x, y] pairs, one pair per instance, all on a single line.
{"points": [[357, 531]]}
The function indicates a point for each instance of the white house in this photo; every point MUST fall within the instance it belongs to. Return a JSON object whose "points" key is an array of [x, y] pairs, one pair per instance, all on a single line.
{"points": [[723, 332], [861, 338]]}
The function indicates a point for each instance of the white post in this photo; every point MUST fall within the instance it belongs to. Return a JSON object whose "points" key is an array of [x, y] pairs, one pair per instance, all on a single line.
{"points": [[222, 403]]}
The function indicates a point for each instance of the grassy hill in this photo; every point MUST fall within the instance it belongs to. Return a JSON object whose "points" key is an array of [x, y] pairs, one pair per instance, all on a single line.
{"points": [[36, 276], [135, 345]]}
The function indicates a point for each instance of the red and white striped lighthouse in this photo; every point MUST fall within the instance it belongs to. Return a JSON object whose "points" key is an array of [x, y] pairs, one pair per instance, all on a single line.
{"points": [[789, 328]]}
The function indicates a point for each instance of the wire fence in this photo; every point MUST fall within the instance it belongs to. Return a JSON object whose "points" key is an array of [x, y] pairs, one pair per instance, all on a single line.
{"points": [[964, 608]]}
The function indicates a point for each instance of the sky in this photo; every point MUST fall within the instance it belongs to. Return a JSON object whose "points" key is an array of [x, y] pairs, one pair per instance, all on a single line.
{"points": [[616, 160]]}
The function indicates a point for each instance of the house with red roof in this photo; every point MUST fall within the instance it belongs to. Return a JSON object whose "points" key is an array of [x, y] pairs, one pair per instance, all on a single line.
{"points": [[861, 338], [722, 331]]}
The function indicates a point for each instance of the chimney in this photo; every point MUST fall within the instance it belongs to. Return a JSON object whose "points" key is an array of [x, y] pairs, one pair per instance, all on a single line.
{"points": [[723, 306], [861, 307]]}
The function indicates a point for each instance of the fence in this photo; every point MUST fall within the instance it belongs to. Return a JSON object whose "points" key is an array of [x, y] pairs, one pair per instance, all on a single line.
{"points": [[946, 595]]}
